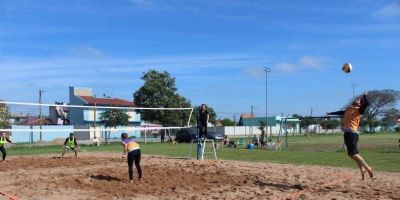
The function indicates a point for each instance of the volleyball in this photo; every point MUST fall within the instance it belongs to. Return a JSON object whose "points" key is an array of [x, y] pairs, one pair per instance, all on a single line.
{"points": [[347, 67]]}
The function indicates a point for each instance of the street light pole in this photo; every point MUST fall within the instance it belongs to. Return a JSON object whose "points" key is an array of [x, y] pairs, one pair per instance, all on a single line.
{"points": [[40, 114], [354, 86], [266, 69]]}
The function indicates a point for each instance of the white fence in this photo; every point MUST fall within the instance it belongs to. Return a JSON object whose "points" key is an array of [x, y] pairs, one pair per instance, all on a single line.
{"points": [[275, 130]]}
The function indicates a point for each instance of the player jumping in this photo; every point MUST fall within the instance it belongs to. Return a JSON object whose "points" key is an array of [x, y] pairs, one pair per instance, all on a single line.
{"points": [[350, 125]]}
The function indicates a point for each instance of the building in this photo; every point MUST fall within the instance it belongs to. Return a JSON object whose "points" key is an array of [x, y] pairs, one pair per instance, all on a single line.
{"points": [[275, 123], [91, 117]]}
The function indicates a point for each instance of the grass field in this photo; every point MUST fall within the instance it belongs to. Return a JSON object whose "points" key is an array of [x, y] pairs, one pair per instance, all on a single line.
{"points": [[381, 151]]}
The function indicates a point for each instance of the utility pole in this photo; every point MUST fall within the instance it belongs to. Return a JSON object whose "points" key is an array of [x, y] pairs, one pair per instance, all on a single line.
{"points": [[40, 114], [234, 124], [266, 69], [95, 116], [354, 86], [252, 118], [311, 112]]}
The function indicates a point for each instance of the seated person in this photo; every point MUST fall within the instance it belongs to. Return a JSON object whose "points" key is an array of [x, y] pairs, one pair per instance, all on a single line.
{"points": [[250, 146], [96, 141], [225, 141]]}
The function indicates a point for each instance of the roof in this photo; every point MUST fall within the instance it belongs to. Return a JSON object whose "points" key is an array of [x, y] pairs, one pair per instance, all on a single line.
{"points": [[255, 121], [107, 101], [43, 121], [244, 116]]}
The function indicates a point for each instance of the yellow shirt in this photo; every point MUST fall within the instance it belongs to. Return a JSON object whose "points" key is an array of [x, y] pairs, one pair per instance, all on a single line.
{"points": [[352, 118], [131, 144]]}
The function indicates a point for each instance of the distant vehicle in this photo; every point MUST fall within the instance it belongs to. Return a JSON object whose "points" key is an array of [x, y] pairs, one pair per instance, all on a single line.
{"points": [[215, 136], [185, 135]]}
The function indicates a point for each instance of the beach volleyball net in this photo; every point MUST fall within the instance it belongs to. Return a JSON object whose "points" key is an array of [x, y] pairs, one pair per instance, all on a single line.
{"points": [[52, 123]]}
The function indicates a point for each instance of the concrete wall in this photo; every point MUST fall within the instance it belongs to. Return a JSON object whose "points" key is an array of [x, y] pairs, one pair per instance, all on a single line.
{"points": [[242, 130], [250, 130], [19, 136]]}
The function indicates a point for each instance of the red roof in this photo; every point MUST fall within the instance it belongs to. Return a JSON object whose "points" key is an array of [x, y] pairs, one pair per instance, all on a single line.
{"points": [[246, 116], [107, 101], [43, 121]]}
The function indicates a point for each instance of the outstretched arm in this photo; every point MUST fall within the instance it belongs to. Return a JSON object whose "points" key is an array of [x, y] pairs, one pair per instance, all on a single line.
{"points": [[341, 113], [365, 103]]}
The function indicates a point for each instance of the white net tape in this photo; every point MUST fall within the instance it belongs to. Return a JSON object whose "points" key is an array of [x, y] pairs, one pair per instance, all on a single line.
{"points": [[48, 121]]}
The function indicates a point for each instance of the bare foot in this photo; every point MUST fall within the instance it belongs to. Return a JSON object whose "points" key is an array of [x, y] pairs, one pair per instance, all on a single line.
{"points": [[362, 174], [370, 173], [131, 181]]}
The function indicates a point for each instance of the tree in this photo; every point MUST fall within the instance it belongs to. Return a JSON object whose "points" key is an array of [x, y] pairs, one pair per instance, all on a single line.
{"points": [[113, 118], [390, 117], [4, 116], [381, 101], [227, 122], [305, 121], [159, 91], [329, 123]]}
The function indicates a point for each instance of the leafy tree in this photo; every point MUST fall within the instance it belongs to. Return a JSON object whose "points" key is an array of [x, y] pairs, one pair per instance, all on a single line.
{"points": [[305, 122], [381, 101], [329, 123], [113, 118], [390, 117], [4, 116], [159, 91], [227, 122]]}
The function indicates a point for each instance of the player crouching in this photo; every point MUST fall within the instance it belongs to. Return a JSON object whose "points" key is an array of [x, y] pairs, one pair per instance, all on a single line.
{"points": [[70, 144]]}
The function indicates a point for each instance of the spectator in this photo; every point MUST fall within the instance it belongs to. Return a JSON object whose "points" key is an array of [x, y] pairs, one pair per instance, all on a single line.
{"points": [[162, 134], [96, 141], [255, 140]]}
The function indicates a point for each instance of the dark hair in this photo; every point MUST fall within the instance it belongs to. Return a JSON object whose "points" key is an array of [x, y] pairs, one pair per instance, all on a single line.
{"points": [[71, 134], [124, 135], [201, 107]]}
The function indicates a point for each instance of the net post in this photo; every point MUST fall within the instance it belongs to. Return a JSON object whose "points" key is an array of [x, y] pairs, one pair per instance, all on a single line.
{"points": [[190, 116]]}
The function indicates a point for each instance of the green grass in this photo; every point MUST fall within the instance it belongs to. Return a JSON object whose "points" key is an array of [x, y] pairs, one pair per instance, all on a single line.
{"points": [[381, 151]]}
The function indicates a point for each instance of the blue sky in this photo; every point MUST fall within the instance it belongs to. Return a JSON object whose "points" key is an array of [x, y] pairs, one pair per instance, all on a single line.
{"points": [[215, 49]]}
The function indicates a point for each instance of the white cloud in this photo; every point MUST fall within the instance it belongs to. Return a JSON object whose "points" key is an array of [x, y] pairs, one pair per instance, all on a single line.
{"points": [[286, 67], [255, 71], [311, 62], [305, 62], [88, 52], [389, 11], [142, 2]]}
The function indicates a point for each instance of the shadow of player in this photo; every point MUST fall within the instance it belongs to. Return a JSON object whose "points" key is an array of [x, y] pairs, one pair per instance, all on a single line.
{"points": [[105, 178], [263, 184]]}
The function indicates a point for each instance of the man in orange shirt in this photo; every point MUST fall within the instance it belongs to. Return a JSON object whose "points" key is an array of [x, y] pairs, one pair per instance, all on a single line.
{"points": [[350, 125]]}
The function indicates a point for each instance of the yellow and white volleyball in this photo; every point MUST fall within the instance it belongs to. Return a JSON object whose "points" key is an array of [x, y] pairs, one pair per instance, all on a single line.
{"points": [[347, 67]]}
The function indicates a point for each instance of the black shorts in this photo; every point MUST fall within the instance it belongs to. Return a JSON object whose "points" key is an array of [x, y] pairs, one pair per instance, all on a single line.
{"points": [[351, 141]]}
